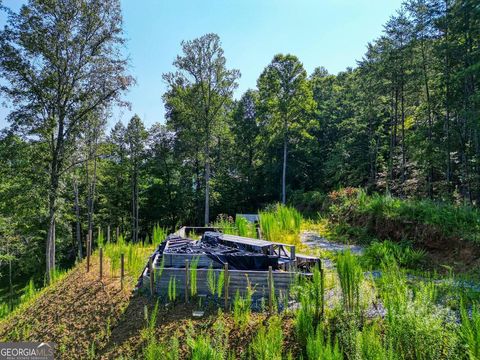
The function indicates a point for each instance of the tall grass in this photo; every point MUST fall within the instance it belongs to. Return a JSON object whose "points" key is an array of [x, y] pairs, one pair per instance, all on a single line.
{"points": [[281, 224], [240, 227], [209, 347], [193, 275], [470, 331], [136, 255], [415, 327], [154, 349], [379, 252], [158, 235], [172, 289], [211, 280], [268, 342], [351, 276], [245, 228], [319, 348], [370, 344], [242, 306]]}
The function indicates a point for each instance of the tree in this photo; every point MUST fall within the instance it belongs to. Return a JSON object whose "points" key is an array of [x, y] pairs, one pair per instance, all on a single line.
{"points": [[202, 85], [286, 101], [61, 61], [135, 137]]}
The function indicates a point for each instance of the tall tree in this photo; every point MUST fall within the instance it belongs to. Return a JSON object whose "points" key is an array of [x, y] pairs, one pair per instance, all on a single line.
{"points": [[61, 61], [207, 86], [135, 137], [286, 101]]}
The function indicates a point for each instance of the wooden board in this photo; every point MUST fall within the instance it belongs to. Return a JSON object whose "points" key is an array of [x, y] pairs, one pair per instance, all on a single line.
{"points": [[239, 280]]}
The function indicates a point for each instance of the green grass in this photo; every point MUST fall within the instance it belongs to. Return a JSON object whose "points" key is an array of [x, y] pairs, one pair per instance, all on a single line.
{"points": [[348, 206], [379, 252]]}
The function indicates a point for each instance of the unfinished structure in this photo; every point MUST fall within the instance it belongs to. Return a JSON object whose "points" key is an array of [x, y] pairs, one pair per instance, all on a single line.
{"points": [[264, 266]]}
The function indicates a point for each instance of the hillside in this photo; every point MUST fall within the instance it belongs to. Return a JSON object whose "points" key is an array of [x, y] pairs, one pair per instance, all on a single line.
{"points": [[92, 319]]}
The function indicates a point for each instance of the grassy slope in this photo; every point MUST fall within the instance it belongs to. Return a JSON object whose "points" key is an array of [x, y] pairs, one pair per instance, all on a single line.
{"points": [[89, 318]]}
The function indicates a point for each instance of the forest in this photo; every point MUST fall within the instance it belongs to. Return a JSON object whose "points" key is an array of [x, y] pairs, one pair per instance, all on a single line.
{"points": [[404, 125]]}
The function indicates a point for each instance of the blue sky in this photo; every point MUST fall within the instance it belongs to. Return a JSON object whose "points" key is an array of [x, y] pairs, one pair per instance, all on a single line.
{"points": [[329, 33]]}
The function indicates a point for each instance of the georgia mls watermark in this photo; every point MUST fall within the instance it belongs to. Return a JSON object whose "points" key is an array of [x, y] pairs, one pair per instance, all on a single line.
{"points": [[26, 351]]}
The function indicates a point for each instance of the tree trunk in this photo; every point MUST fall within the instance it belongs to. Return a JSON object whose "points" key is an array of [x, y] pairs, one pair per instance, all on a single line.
{"points": [[430, 122], [284, 170], [207, 192], [77, 218]]}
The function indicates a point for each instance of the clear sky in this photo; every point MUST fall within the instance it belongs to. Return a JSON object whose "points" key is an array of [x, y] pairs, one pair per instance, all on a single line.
{"points": [[329, 33]]}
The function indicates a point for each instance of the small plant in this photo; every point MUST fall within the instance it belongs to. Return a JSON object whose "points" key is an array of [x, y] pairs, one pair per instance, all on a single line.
{"points": [[100, 238], [245, 228], [351, 276], [318, 348], [470, 331], [304, 319], [268, 342], [211, 280], [220, 283], [370, 345], [29, 291], [193, 276], [158, 235], [202, 349], [172, 289], [242, 306]]}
